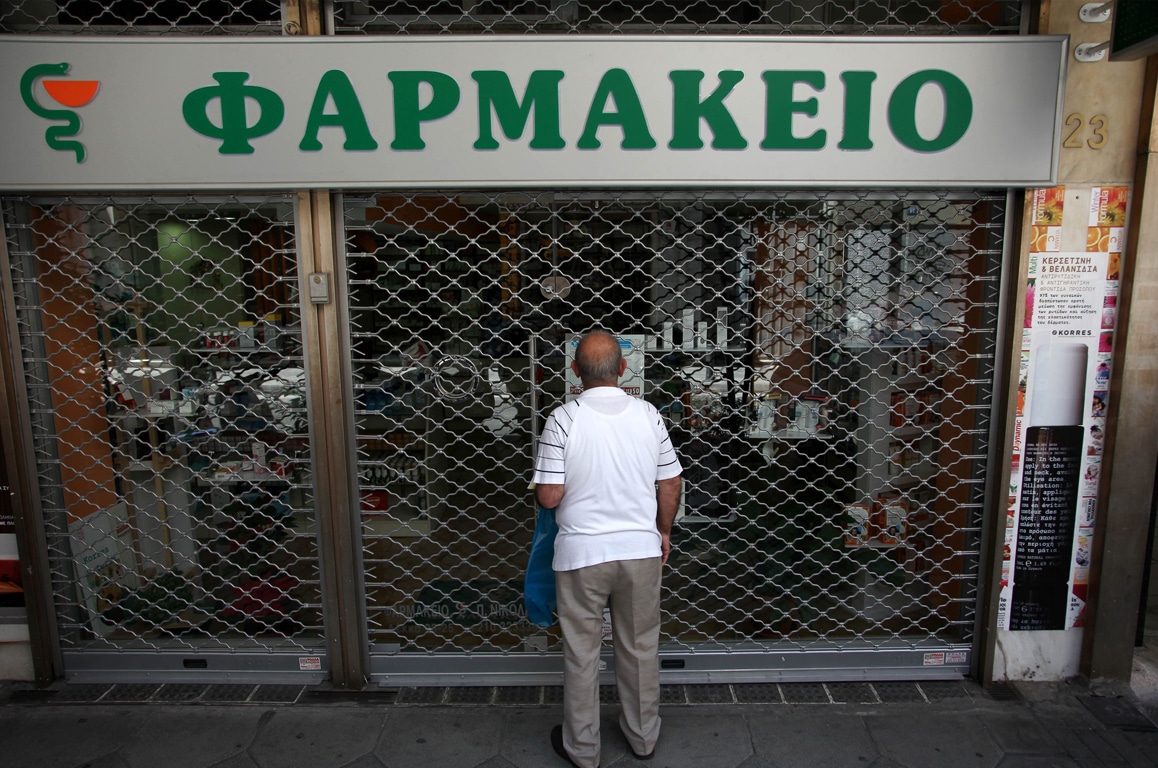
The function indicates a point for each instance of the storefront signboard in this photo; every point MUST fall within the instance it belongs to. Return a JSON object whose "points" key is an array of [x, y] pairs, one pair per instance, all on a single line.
{"points": [[282, 113]]}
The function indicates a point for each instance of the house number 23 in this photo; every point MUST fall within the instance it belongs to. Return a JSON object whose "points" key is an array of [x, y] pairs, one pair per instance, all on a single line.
{"points": [[1099, 129]]}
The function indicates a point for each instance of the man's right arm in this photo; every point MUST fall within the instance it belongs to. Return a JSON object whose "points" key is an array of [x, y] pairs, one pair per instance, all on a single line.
{"points": [[550, 471], [667, 496], [549, 494]]}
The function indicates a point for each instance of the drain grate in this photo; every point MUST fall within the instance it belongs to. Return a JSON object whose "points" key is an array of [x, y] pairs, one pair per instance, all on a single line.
{"points": [[370, 696], [228, 693], [421, 695], [277, 694], [32, 696], [178, 692], [851, 693], [944, 690], [1114, 712], [758, 693], [898, 693], [82, 692], [710, 694], [469, 694], [519, 695], [131, 692], [804, 693]]}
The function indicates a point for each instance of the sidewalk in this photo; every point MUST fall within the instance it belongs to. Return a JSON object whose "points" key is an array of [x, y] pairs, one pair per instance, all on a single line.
{"points": [[795, 725]]}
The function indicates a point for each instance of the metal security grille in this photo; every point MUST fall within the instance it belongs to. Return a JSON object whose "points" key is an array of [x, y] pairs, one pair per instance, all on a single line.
{"points": [[776, 17], [824, 363], [162, 352], [153, 17], [855, 17]]}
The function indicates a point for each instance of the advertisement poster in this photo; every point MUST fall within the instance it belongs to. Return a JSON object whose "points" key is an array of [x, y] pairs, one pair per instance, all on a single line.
{"points": [[11, 581], [103, 560], [1071, 302]]}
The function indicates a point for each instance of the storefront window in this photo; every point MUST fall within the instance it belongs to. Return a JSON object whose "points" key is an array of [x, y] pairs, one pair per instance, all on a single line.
{"points": [[162, 348], [824, 363], [824, 359]]}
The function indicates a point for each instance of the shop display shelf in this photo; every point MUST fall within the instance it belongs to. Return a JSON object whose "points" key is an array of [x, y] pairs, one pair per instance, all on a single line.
{"points": [[240, 477]]}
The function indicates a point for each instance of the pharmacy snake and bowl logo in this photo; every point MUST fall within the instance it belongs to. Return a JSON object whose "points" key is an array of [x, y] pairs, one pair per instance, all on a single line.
{"points": [[67, 93]]}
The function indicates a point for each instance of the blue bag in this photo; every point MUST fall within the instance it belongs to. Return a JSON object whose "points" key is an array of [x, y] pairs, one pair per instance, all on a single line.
{"points": [[539, 585]]}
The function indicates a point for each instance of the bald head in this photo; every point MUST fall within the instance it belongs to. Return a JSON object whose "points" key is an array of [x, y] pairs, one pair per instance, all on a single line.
{"points": [[598, 360]]}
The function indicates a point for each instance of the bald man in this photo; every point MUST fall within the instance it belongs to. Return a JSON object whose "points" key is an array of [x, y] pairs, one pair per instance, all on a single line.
{"points": [[607, 467]]}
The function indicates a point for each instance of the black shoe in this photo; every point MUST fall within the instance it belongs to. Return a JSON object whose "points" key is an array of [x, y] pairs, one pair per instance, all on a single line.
{"points": [[557, 745], [638, 756], [635, 754]]}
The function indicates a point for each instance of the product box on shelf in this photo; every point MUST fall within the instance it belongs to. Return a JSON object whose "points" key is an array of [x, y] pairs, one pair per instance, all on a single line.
{"points": [[246, 334], [376, 501], [221, 337], [905, 409], [892, 515], [144, 375], [857, 522]]}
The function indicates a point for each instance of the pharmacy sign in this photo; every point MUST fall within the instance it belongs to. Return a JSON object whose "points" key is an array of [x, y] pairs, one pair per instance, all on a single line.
{"points": [[528, 112], [66, 93]]}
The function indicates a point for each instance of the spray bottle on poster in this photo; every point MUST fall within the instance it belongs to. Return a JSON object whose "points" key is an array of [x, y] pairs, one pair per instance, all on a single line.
{"points": [[1050, 482]]}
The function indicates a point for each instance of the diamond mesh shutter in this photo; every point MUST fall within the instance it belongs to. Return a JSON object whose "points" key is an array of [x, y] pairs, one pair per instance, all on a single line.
{"points": [[162, 348], [824, 363], [257, 17], [448, 401], [778, 17], [136, 17]]}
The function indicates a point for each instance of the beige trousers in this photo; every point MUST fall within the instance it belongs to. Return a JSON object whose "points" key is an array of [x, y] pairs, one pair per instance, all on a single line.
{"points": [[631, 587]]}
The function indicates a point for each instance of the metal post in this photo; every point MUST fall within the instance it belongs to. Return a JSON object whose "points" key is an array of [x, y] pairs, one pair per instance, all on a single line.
{"points": [[1131, 449], [331, 414], [1010, 318]]}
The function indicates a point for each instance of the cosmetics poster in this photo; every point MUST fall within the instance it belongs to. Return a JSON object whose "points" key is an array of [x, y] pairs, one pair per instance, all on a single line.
{"points": [[1071, 300], [1105, 233], [11, 579]]}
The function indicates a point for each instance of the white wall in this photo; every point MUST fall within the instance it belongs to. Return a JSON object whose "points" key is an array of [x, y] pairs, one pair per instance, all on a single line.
{"points": [[15, 652]]}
